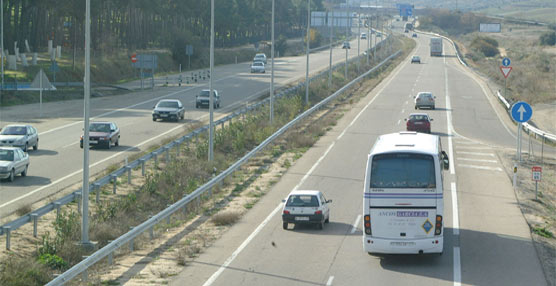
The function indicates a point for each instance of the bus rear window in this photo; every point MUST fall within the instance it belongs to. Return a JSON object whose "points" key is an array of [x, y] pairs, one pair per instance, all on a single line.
{"points": [[403, 170]]}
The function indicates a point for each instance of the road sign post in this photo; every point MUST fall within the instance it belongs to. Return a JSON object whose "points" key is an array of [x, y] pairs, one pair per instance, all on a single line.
{"points": [[521, 112], [537, 175]]}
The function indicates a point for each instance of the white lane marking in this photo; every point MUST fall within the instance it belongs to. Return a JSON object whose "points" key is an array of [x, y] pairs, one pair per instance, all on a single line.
{"points": [[329, 282], [475, 153], [403, 110], [477, 160], [69, 145], [455, 224], [480, 167], [465, 142], [355, 224], [449, 119], [91, 165], [399, 121], [259, 228], [457, 267], [241, 247], [406, 102], [474, 148], [341, 134]]}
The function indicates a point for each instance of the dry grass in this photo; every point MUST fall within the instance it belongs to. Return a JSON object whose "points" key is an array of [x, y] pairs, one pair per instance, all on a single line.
{"points": [[226, 218], [23, 210]]}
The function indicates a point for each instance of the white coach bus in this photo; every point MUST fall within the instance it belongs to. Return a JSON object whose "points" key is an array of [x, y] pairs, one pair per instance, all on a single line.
{"points": [[403, 197]]}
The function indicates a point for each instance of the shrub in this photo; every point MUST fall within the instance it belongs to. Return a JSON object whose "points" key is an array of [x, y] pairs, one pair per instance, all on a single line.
{"points": [[226, 218], [548, 38], [53, 261], [23, 271], [281, 45], [487, 46]]}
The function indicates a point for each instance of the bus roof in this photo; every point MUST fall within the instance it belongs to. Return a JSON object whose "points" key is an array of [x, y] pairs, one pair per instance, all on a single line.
{"points": [[406, 141]]}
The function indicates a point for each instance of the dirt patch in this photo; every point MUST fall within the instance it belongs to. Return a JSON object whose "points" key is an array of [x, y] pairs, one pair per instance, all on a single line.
{"points": [[539, 213], [544, 116]]}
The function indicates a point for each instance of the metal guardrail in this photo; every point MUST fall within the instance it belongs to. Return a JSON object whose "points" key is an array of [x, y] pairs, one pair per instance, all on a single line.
{"points": [[128, 237], [460, 59], [111, 178]]}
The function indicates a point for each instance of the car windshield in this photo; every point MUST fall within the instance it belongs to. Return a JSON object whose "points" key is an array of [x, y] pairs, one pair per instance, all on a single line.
{"points": [[205, 93], [6, 155], [14, 130], [171, 104], [104, 127], [302, 201], [403, 170]]}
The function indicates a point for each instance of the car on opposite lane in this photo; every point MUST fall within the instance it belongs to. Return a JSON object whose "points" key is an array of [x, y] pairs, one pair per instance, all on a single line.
{"points": [[260, 58], [414, 35], [168, 109], [306, 207], [363, 36], [202, 99], [103, 134], [416, 59], [424, 99], [13, 161], [257, 67], [22, 136], [419, 122]]}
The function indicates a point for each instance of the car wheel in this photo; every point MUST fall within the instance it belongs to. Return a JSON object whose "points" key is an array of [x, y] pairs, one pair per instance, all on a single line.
{"points": [[26, 147], [36, 147], [154, 119], [327, 219], [196, 106], [81, 145], [320, 225], [108, 145], [433, 107], [415, 107], [24, 173], [12, 176], [117, 143], [285, 225]]}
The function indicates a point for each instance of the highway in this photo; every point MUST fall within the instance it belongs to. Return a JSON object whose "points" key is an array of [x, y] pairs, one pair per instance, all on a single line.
{"points": [[487, 241], [58, 162]]}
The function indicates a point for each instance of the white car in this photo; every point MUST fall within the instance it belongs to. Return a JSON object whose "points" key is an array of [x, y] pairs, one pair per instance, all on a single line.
{"points": [[424, 99], [13, 161], [306, 207], [260, 58], [22, 136], [257, 67], [363, 36]]}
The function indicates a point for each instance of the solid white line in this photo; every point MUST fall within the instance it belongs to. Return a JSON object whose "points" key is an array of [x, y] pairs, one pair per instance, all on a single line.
{"points": [[455, 224], [474, 148], [242, 246], [69, 145], [477, 160], [475, 153], [403, 110], [314, 166], [480, 167], [329, 282], [355, 224], [406, 101], [449, 119], [457, 267]]}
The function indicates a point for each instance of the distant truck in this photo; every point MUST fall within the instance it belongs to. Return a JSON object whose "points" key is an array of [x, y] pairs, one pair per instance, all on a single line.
{"points": [[436, 47]]}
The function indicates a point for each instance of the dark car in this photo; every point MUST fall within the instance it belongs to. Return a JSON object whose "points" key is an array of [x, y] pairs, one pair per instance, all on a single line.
{"points": [[414, 35], [103, 134], [203, 99], [419, 122], [168, 109]]}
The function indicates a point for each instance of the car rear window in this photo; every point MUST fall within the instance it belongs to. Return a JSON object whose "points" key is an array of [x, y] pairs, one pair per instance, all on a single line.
{"points": [[257, 64], [6, 155], [418, 118], [302, 201], [14, 130], [104, 127]]}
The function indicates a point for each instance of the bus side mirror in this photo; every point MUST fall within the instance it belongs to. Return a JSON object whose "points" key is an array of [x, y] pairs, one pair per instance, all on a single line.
{"points": [[445, 161]]}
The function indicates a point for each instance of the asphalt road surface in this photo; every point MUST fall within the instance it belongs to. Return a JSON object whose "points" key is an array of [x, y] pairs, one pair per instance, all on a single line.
{"points": [[58, 162], [487, 241]]}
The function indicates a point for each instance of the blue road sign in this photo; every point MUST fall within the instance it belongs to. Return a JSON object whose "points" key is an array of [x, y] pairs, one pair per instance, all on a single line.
{"points": [[521, 111], [506, 62]]}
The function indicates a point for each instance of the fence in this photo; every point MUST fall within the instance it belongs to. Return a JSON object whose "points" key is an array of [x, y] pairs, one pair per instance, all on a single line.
{"points": [[123, 240]]}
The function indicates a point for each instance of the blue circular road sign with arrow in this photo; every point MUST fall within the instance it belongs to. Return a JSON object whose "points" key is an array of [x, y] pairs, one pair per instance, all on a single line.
{"points": [[506, 62], [521, 111]]}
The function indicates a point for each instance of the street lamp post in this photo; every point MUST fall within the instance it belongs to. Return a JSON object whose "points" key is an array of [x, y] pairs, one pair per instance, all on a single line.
{"points": [[272, 68], [331, 23], [87, 93], [307, 52], [346, 46], [211, 91], [358, 35]]}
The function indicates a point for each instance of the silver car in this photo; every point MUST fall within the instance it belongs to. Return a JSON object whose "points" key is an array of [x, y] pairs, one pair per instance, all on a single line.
{"points": [[257, 67], [22, 136], [168, 109], [424, 99], [13, 161], [260, 58]]}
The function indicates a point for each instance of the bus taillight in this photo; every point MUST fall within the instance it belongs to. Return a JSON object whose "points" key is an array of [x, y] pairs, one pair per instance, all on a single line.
{"points": [[367, 223], [438, 228]]}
